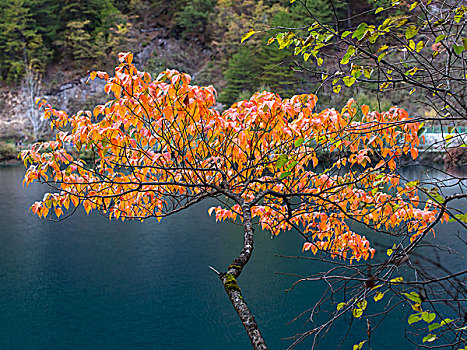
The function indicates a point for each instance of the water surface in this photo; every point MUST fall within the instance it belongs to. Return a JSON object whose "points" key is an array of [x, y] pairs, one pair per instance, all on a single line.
{"points": [[87, 283]]}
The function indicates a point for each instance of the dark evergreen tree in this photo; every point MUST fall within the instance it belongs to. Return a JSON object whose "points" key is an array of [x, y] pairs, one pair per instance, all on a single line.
{"points": [[83, 24], [20, 43], [46, 23], [276, 73], [240, 76], [192, 19]]}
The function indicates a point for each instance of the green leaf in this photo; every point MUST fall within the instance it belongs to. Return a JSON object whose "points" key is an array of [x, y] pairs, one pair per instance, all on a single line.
{"points": [[458, 49], [341, 305], [414, 318], [461, 217], [391, 250], [291, 165], [349, 81], [429, 338], [328, 37], [345, 59], [360, 31], [401, 21], [284, 175], [283, 158], [433, 326], [445, 321], [48, 203], [410, 32], [428, 317], [415, 297], [437, 197], [298, 142], [346, 33], [412, 183], [336, 88], [379, 9], [247, 35], [350, 52], [319, 61], [439, 38]]}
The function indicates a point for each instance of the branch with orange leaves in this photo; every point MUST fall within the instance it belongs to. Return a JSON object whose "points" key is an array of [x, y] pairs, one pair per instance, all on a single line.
{"points": [[159, 147]]}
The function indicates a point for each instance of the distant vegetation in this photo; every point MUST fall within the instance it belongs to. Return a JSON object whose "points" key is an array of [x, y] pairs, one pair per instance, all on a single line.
{"points": [[54, 37]]}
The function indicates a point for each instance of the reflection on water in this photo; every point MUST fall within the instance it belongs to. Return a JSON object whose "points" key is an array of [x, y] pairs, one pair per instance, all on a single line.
{"points": [[87, 283]]}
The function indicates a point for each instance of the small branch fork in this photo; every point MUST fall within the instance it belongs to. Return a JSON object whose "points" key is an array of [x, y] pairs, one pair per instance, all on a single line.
{"points": [[362, 281]]}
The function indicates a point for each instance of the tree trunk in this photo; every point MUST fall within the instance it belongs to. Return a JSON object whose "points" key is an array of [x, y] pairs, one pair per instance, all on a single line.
{"points": [[229, 280], [235, 295]]}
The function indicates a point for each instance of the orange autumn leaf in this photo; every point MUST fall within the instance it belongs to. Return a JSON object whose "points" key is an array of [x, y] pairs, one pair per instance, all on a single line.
{"points": [[365, 109], [161, 146]]}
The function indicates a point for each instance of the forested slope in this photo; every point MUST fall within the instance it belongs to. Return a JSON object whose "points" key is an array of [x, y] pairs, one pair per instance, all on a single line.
{"points": [[47, 46]]}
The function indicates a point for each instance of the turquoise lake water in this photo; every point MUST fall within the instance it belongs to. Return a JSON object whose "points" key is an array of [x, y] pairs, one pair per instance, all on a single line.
{"points": [[87, 283]]}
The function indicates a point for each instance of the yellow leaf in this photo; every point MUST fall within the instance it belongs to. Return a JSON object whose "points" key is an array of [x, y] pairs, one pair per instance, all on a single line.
{"points": [[378, 296], [396, 280], [247, 35], [336, 88], [357, 313]]}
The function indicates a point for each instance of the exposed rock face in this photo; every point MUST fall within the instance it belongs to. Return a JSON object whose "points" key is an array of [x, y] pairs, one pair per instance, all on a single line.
{"points": [[77, 95], [13, 119], [71, 97], [156, 54]]}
